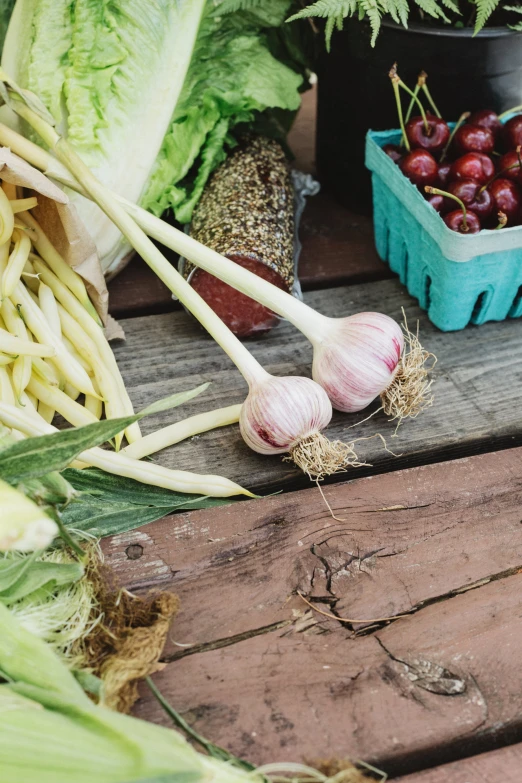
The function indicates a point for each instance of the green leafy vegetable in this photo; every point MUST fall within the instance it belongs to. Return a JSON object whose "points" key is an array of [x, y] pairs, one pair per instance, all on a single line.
{"points": [[21, 576], [109, 504], [149, 92]]}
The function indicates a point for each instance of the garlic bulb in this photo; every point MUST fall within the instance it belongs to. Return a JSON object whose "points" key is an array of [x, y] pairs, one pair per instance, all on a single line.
{"points": [[356, 358], [286, 415]]}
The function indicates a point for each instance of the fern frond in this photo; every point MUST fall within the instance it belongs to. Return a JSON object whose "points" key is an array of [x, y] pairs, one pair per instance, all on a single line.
{"points": [[372, 10], [516, 27], [484, 10], [452, 6], [398, 10], [231, 6], [327, 9], [516, 8], [432, 8]]}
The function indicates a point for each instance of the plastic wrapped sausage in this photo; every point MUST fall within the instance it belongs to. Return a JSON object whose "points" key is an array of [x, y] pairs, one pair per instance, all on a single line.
{"points": [[246, 213]]}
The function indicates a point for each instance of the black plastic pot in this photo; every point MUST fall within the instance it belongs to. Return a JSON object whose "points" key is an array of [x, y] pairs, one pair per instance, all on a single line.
{"points": [[465, 73]]}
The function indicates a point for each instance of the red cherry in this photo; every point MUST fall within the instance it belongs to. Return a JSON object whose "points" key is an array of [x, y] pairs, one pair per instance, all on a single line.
{"points": [[455, 221], [470, 192], [393, 151], [507, 198], [473, 165], [513, 132], [420, 167], [433, 138], [486, 118], [509, 165], [443, 174], [436, 201], [474, 138]]}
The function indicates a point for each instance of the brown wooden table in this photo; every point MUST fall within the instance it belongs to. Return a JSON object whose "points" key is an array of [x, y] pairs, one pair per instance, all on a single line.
{"points": [[406, 651]]}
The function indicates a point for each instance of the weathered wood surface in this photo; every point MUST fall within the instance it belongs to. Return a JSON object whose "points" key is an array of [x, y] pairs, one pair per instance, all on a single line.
{"points": [[499, 766], [253, 668], [477, 388], [338, 246]]}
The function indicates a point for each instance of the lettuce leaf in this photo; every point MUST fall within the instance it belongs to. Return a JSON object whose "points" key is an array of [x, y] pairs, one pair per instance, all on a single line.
{"points": [[150, 92]]}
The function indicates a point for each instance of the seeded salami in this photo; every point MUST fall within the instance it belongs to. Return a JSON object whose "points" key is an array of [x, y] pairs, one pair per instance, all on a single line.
{"points": [[247, 214]]}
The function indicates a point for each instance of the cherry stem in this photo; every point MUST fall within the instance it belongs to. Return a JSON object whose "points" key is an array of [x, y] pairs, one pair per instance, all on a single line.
{"points": [[415, 98], [459, 201], [423, 76], [502, 220], [395, 84], [463, 117], [509, 111], [412, 103], [503, 171]]}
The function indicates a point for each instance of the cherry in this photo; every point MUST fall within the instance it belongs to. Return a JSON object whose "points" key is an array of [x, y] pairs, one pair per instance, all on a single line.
{"points": [[474, 138], [420, 167], [507, 198], [487, 118], [473, 195], [443, 173], [509, 165], [473, 165], [462, 223], [436, 201], [513, 132], [393, 151], [432, 135]]}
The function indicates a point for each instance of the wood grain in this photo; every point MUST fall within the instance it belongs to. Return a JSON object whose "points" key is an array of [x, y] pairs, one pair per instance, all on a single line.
{"points": [[477, 388], [338, 247], [499, 766], [271, 679]]}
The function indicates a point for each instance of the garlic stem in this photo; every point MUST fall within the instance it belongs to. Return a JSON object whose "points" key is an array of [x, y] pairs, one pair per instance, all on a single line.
{"points": [[303, 317]]}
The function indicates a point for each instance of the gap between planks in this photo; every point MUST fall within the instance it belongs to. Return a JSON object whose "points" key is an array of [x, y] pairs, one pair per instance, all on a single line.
{"points": [[282, 682]]}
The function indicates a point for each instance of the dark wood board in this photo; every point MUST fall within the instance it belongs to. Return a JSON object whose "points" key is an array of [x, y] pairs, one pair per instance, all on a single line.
{"points": [[271, 679], [499, 766], [477, 388], [338, 246]]}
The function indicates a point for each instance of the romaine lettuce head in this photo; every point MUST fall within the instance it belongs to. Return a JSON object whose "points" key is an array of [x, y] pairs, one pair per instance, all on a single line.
{"points": [[148, 92]]}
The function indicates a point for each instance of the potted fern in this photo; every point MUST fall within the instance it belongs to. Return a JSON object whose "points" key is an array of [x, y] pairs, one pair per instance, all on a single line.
{"points": [[471, 49]]}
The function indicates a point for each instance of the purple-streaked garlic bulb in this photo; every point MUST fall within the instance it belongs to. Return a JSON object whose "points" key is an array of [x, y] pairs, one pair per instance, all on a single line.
{"points": [[356, 358]]}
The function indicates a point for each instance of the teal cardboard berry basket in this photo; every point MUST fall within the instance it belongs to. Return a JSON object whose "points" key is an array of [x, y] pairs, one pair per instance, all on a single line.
{"points": [[457, 279]]}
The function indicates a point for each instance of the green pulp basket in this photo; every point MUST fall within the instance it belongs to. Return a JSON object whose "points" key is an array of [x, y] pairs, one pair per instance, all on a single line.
{"points": [[457, 279]]}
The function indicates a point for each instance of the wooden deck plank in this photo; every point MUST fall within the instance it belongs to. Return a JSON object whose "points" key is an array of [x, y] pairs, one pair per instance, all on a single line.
{"points": [[272, 680], [477, 390], [499, 766]]}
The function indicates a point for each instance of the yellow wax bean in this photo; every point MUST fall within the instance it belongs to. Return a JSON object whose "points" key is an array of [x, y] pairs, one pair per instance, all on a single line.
{"points": [[45, 371], [5, 359], [9, 188], [72, 350], [16, 262], [73, 307], [6, 388], [46, 412], [71, 391], [6, 218], [49, 308], [121, 465], [181, 430], [23, 364], [71, 411], [94, 405], [22, 204], [30, 399], [60, 267], [13, 345], [38, 325]]}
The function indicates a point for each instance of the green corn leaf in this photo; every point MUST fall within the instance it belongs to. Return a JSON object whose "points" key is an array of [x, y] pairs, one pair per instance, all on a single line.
{"points": [[19, 577], [36, 457], [107, 504]]}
